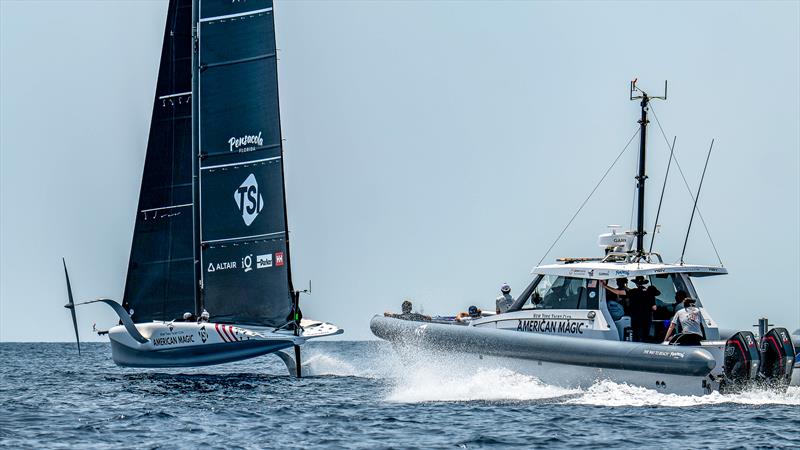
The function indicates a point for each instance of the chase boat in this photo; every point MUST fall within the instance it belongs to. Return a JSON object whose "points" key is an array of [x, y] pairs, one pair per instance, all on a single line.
{"points": [[560, 329], [210, 239]]}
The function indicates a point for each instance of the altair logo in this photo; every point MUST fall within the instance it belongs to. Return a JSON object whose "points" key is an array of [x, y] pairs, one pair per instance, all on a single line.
{"points": [[249, 199], [251, 140]]}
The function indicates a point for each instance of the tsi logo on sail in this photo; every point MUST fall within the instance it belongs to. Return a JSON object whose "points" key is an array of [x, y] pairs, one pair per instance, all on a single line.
{"points": [[249, 199]]}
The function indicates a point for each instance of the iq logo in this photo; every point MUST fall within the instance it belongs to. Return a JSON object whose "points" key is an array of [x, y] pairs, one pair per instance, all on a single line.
{"points": [[249, 199]]}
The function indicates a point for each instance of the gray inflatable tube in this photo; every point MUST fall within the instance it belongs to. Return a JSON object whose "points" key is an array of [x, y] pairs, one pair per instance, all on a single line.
{"points": [[548, 348]]}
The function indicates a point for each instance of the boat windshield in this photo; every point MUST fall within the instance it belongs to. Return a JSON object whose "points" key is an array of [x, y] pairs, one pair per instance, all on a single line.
{"points": [[557, 292]]}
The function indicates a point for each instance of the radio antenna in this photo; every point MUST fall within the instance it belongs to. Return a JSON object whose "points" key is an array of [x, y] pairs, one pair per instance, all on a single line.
{"points": [[696, 197], [663, 188]]}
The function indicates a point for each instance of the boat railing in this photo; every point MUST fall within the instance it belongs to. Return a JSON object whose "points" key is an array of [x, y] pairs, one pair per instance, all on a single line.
{"points": [[627, 257]]}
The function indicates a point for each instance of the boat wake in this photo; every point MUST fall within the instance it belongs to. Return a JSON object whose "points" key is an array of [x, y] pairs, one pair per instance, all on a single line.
{"points": [[320, 361], [432, 384], [435, 377], [320, 364], [498, 384]]}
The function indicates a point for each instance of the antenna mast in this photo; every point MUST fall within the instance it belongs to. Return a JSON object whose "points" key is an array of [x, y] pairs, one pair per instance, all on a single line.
{"points": [[641, 177]]}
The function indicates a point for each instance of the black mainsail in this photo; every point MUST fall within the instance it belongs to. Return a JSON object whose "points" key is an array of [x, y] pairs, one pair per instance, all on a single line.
{"points": [[237, 226], [160, 280]]}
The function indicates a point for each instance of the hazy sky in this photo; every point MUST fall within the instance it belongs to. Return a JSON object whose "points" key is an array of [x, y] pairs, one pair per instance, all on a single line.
{"points": [[433, 149]]}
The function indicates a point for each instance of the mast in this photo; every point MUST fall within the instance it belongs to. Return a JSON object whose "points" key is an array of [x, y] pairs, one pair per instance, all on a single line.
{"points": [[197, 251], [641, 175]]}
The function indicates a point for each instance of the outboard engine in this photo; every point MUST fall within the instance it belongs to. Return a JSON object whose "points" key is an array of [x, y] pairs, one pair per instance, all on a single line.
{"points": [[741, 363], [777, 358]]}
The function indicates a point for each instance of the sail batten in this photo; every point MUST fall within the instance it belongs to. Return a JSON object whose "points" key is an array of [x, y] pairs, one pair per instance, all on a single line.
{"points": [[232, 16]]}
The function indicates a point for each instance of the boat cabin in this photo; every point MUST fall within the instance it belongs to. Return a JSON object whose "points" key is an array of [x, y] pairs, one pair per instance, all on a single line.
{"points": [[569, 298]]}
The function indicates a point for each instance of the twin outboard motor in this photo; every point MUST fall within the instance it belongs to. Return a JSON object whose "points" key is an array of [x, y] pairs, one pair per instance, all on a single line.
{"points": [[777, 358], [742, 361], [766, 363]]}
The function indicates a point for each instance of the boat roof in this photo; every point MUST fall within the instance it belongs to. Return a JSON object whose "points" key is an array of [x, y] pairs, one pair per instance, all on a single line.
{"points": [[609, 270]]}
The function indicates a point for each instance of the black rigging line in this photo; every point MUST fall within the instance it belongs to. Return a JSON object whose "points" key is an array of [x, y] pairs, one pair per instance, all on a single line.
{"points": [[696, 198], [663, 188], [688, 189], [590, 196]]}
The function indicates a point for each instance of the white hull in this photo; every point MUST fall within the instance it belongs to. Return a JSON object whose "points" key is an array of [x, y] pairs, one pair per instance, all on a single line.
{"points": [[572, 376], [567, 361], [187, 344]]}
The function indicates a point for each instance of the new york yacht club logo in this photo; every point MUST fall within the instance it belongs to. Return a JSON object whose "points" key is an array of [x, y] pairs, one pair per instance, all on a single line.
{"points": [[246, 143], [248, 199]]}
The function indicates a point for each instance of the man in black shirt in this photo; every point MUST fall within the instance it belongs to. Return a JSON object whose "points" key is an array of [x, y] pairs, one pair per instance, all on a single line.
{"points": [[642, 303]]}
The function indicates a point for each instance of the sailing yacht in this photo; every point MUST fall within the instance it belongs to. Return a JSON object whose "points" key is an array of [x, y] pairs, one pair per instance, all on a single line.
{"points": [[210, 273], [561, 330]]}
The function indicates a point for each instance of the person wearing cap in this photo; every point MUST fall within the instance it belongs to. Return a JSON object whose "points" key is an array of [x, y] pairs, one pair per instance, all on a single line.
{"points": [[472, 313], [691, 321], [641, 304], [189, 317], [505, 300], [407, 314]]}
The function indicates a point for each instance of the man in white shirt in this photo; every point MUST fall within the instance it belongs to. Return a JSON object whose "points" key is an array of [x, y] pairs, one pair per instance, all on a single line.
{"points": [[691, 320]]}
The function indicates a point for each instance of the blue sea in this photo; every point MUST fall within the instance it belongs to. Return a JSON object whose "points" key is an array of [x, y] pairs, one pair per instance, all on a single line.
{"points": [[362, 397]]}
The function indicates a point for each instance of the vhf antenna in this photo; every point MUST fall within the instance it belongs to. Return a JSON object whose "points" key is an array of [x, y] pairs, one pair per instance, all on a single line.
{"points": [[638, 94]]}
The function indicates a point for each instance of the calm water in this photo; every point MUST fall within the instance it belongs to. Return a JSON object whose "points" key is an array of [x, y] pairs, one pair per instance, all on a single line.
{"points": [[365, 399]]}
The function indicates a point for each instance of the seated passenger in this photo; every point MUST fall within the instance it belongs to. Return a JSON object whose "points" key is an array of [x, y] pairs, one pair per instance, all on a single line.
{"points": [[555, 297], [189, 317], [615, 309], [407, 314], [472, 313], [614, 297], [204, 316], [691, 321], [504, 302], [536, 300]]}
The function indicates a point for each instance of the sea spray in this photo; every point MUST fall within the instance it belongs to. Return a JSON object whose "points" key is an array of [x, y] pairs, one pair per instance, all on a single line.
{"points": [[609, 393]]}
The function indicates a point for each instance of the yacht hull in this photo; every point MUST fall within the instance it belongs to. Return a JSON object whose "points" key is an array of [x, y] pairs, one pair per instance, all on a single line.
{"points": [[189, 344], [191, 356]]}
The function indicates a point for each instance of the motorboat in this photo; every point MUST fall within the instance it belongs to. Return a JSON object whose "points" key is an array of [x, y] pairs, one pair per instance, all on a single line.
{"points": [[561, 330]]}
